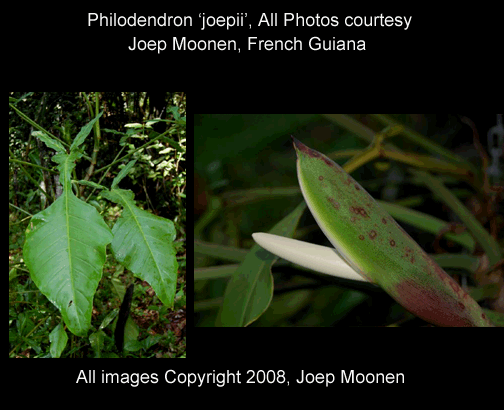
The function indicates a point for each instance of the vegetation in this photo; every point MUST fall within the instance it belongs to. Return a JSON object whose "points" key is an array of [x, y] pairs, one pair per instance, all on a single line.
{"points": [[432, 173], [137, 139]]}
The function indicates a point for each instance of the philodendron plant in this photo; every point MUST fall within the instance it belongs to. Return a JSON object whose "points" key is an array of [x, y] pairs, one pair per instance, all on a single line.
{"points": [[370, 246], [65, 247]]}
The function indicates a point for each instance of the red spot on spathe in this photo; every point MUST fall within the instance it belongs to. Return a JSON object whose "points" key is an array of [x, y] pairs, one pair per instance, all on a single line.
{"points": [[328, 161], [373, 234], [408, 252], [392, 242], [358, 210], [335, 204]]}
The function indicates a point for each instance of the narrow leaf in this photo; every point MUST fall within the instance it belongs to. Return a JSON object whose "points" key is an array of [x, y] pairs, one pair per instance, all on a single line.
{"points": [[91, 184], [84, 132], [109, 319], [370, 240], [143, 243], [123, 173], [50, 142]]}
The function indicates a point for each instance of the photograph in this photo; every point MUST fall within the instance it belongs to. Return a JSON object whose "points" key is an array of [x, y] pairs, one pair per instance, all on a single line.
{"points": [[97, 224]]}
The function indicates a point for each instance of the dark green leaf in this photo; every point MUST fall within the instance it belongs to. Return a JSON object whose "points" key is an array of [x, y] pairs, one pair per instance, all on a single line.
{"points": [[65, 252], [143, 242]]}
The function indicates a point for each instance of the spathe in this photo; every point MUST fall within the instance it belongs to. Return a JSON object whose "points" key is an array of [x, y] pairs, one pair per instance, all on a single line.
{"points": [[316, 257]]}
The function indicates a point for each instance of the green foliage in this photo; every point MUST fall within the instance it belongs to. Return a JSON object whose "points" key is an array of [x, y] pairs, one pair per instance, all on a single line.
{"points": [[65, 248], [143, 244], [65, 253], [242, 194], [58, 339]]}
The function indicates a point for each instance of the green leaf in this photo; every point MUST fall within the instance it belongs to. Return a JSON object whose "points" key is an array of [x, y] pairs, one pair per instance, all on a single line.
{"points": [[249, 291], [109, 318], [12, 274], [123, 173], [84, 132], [174, 143], [65, 252], [58, 339], [91, 184], [131, 333], [174, 110], [66, 165], [96, 204], [143, 242], [50, 142], [97, 340], [376, 247], [496, 317]]}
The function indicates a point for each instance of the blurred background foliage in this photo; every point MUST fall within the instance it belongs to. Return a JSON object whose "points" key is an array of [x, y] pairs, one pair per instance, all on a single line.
{"points": [[245, 182]]}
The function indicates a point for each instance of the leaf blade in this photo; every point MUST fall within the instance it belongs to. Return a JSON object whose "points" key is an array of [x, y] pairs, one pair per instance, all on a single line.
{"points": [[50, 142], [64, 251], [58, 339], [143, 243], [123, 173], [84, 132], [250, 289]]}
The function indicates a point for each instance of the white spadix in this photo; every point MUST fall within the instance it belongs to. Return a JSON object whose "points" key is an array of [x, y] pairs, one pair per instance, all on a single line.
{"points": [[316, 257]]}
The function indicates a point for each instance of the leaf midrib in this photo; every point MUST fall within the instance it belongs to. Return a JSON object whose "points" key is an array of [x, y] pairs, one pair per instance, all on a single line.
{"points": [[68, 192]]}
